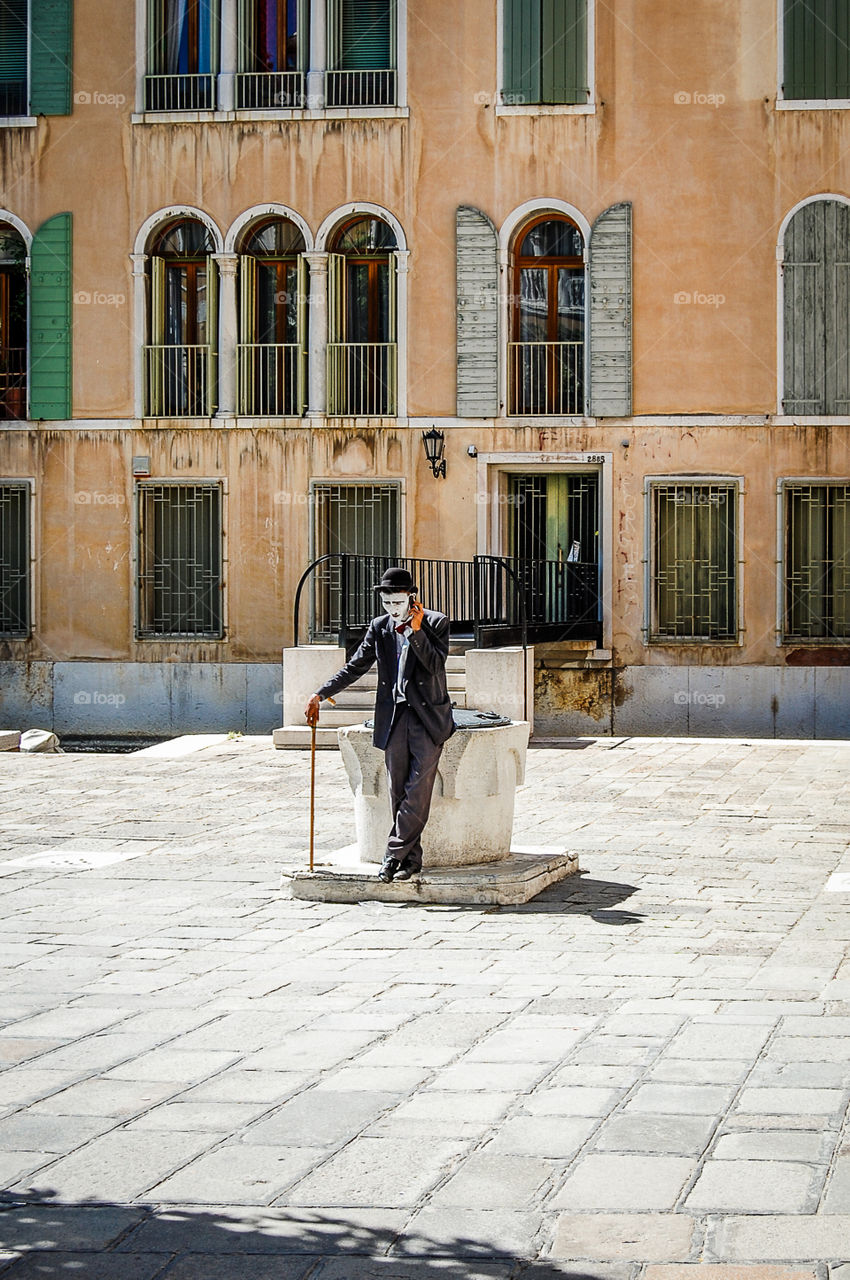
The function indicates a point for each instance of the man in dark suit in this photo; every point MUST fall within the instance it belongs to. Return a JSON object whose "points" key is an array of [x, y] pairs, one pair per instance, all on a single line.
{"points": [[413, 713]]}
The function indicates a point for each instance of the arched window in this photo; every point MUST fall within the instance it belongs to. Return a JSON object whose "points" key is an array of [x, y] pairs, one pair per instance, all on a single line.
{"points": [[816, 309], [13, 323], [272, 319], [546, 353], [183, 322], [362, 347]]}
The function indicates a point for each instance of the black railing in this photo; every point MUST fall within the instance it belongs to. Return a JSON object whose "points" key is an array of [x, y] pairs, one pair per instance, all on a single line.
{"points": [[493, 599]]}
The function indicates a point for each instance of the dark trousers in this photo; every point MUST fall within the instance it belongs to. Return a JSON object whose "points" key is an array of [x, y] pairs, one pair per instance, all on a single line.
{"points": [[411, 757]]}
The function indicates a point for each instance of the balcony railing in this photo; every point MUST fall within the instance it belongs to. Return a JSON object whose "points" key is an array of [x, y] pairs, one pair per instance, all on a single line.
{"points": [[271, 379], [180, 381], [13, 383], [180, 93], [270, 90], [545, 378], [361, 88], [498, 599], [362, 378]]}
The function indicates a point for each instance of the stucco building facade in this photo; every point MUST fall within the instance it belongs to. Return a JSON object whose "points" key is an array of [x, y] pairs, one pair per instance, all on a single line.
{"points": [[251, 251]]}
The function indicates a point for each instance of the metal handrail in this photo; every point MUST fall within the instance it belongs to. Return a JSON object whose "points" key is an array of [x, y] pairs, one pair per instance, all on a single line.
{"points": [[330, 555]]}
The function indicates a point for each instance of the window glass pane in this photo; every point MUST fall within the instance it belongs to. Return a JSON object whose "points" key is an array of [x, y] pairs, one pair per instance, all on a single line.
{"points": [[533, 304], [187, 239], [817, 562], [180, 560], [555, 239], [14, 561], [277, 239], [570, 304], [367, 236]]}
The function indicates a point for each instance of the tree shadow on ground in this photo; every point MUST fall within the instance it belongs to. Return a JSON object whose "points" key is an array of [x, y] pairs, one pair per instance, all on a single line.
{"points": [[97, 1240]]}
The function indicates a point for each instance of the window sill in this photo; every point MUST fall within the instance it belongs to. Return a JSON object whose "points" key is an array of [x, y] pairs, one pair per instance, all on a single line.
{"points": [[18, 122], [218, 117], [813, 104], [546, 109]]}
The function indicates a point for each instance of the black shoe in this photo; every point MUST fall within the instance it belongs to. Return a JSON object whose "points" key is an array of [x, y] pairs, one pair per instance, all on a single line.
{"points": [[389, 867], [407, 872]]}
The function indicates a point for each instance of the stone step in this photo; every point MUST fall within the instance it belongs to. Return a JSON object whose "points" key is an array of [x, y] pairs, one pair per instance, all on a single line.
{"points": [[357, 695], [298, 736]]}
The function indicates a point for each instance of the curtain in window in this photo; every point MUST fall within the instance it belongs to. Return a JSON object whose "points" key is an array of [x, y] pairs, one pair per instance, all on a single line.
{"points": [[187, 37]]}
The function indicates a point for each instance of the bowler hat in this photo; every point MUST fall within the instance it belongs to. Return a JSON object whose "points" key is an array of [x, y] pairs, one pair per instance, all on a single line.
{"points": [[396, 579]]}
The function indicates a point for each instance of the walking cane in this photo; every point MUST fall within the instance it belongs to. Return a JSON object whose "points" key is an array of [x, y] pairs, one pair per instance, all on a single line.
{"points": [[313, 720]]}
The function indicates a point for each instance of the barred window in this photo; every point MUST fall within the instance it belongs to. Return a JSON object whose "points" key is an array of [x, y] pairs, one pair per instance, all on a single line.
{"points": [[180, 561], [817, 562], [693, 570], [14, 561]]}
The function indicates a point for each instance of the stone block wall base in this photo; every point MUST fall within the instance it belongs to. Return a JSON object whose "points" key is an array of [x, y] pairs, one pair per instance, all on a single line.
{"points": [[518, 878]]}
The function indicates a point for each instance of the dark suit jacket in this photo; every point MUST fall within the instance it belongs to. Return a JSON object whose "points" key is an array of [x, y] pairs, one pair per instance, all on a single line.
{"points": [[425, 674]]}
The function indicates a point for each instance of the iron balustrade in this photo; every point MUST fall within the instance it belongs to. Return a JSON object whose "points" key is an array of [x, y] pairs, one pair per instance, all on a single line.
{"points": [[495, 599], [271, 379], [13, 383], [372, 88], [270, 90], [183, 92], [179, 381], [545, 378], [362, 378]]}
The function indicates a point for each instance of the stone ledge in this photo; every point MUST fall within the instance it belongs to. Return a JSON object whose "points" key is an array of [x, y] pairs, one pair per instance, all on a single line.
{"points": [[527, 871]]}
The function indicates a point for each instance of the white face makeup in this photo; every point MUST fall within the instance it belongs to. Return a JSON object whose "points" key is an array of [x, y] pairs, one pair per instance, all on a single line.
{"points": [[397, 606]]}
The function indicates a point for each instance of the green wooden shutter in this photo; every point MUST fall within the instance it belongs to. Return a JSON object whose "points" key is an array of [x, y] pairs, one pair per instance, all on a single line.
{"points": [[611, 313], [522, 42], [366, 35], [564, 58], [50, 319], [50, 56], [817, 49], [13, 57], [838, 315], [477, 315]]}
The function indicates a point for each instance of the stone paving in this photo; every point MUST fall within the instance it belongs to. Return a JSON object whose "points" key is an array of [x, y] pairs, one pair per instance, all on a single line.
{"points": [[644, 1073]]}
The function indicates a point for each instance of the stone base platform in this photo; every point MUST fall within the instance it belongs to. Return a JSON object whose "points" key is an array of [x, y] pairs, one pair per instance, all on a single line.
{"points": [[527, 871]]}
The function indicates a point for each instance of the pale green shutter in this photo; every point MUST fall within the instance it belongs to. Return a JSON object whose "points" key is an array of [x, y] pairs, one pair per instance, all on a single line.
{"points": [[522, 40], [51, 36], [50, 319], [13, 57], [247, 331], [477, 315], [611, 313], [816, 310], [212, 336], [817, 49], [301, 335], [564, 51]]}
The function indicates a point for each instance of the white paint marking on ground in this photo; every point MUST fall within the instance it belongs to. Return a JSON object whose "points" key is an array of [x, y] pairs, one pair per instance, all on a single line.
{"points": [[87, 859], [184, 745], [839, 882]]}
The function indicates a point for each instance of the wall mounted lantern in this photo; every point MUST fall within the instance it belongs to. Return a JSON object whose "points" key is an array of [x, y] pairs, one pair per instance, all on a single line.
{"points": [[434, 444]]}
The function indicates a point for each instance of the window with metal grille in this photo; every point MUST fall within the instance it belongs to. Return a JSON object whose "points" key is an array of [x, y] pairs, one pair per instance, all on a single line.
{"points": [[693, 564], [14, 561], [358, 519], [182, 60], [362, 41], [817, 562], [817, 49], [180, 561]]}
